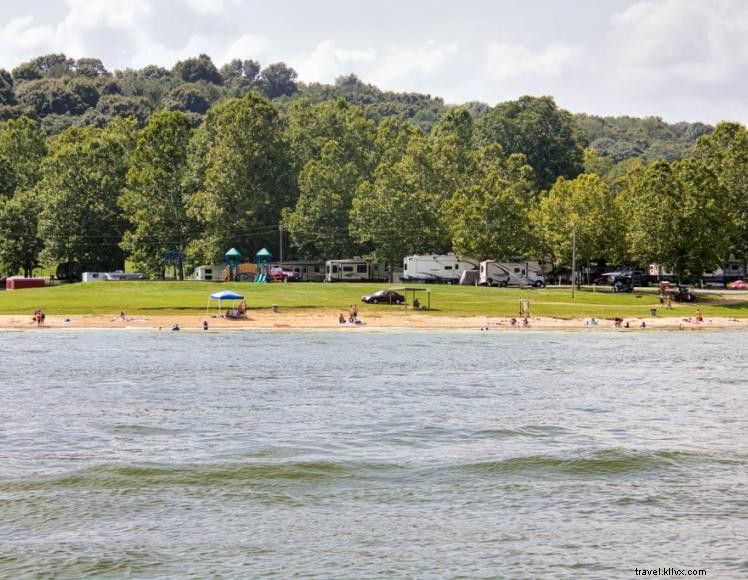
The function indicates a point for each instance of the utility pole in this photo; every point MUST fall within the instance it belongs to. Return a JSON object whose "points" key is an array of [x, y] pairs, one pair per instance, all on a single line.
{"points": [[280, 233], [573, 258]]}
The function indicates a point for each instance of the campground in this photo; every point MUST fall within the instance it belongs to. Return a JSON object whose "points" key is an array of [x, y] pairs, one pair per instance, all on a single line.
{"points": [[311, 305]]}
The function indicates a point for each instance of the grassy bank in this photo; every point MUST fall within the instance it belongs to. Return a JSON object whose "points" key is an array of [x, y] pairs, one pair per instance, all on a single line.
{"points": [[192, 298]]}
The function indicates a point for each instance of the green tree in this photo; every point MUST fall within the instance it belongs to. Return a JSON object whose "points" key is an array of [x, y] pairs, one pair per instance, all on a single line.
{"points": [[278, 80], [585, 203], [678, 216], [201, 68], [536, 127], [240, 76], [83, 177], [154, 201], [22, 149], [335, 141], [7, 96], [725, 151], [488, 217], [402, 210], [20, 243], [247, 178]]}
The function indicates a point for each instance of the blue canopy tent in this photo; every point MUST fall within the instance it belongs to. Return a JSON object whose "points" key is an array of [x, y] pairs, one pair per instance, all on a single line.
{"points": [[223, 295]]}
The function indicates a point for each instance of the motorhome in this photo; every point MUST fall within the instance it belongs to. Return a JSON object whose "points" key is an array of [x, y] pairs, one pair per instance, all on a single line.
{"points": [[445, 268], [212, 273], [493, 273], [116, 275], [357, 270], [731, 271], [307, 271]]}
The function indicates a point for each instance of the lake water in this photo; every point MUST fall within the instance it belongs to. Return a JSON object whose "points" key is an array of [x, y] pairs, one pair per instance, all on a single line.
{"points": [[373, 454]]}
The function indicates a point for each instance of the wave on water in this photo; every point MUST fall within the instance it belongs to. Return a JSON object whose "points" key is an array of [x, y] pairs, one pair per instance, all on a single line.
{"points": [[609, 462], [199, 475]]}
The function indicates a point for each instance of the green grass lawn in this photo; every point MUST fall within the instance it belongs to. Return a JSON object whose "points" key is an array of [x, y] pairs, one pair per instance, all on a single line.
{"points": [[192, 298]]}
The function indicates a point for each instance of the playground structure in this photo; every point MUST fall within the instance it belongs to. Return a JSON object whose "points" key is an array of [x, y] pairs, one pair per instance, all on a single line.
{"points": [[263, 258], [239, 271]]}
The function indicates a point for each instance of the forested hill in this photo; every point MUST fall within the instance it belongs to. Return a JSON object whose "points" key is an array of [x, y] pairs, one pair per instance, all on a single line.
{"points": [[99, 168], [61, 92]]}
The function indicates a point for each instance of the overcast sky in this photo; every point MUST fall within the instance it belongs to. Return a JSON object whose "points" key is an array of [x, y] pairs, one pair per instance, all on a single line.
{"points": [[683, 60]]}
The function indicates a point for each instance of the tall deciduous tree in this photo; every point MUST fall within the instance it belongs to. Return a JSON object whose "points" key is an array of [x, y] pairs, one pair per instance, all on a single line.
{"points": [[20, 244], [535, 126], [585, 203], [22, 149], [403, 209], [725, 151], [154, 201], [83, 177], [247, 178], [678, 216], [488, 218], [334, 141]]}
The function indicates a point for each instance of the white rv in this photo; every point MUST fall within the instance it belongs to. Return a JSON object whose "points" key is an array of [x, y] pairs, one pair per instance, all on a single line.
{"points": [[356, 270], [493, 273], [93, 276], [445, 268], [307, 271], [214, 272]]}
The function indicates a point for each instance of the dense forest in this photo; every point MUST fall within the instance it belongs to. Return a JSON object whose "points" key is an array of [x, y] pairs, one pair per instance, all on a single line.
{"points": [[100, 167]]}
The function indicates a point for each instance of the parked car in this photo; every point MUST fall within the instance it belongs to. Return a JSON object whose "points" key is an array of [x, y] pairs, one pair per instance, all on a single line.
{"points": [[739, 285], [278, 274], [383, 297], [683, 294]]}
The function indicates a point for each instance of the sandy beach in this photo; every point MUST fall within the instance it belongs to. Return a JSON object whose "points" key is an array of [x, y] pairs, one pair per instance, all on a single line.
{"points": [[328, 320]]}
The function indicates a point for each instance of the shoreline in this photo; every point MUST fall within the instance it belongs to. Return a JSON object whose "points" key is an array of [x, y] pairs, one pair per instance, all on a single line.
{"points": [[328, 320]]}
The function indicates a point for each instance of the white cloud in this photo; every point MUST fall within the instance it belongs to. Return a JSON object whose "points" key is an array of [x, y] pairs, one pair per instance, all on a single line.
{"points": [[696, 41], [208, 7], [21, 35], [508, 60], [403, 64], [328, 61]]}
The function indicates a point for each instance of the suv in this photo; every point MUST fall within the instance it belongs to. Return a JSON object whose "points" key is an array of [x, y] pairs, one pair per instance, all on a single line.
{"points": [[278, 274]]}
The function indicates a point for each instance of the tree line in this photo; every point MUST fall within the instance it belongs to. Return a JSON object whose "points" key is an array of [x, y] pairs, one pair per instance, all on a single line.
{"points": [[342, 180]]}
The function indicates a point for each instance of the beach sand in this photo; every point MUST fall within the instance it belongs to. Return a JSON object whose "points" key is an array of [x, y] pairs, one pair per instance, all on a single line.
{"points": [[328, 320]]}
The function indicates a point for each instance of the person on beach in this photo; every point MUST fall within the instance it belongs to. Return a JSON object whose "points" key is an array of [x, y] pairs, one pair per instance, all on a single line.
{"points": [[205, 324], [355, 313], [341, 319], [669, 301], [699, 317], [122, 315]]}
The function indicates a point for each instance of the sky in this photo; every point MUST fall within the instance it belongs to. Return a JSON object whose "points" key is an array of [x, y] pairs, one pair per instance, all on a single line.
{"points": [[682, 60]]}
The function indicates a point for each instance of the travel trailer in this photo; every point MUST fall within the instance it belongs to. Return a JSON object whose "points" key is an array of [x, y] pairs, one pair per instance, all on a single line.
{"points": [[493, 273], [357, 270], [214, 272], [445, 268], [307, 271]]}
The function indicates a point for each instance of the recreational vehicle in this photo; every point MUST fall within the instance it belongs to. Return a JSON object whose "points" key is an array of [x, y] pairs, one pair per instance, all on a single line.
{"points": [[446, 268], [209, 272], [356, 270], [493, 273], [306, 271], [93, 276]]}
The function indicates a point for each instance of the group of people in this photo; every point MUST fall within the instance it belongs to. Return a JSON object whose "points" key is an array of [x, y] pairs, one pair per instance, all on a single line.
{"points": [[352, 315]]}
